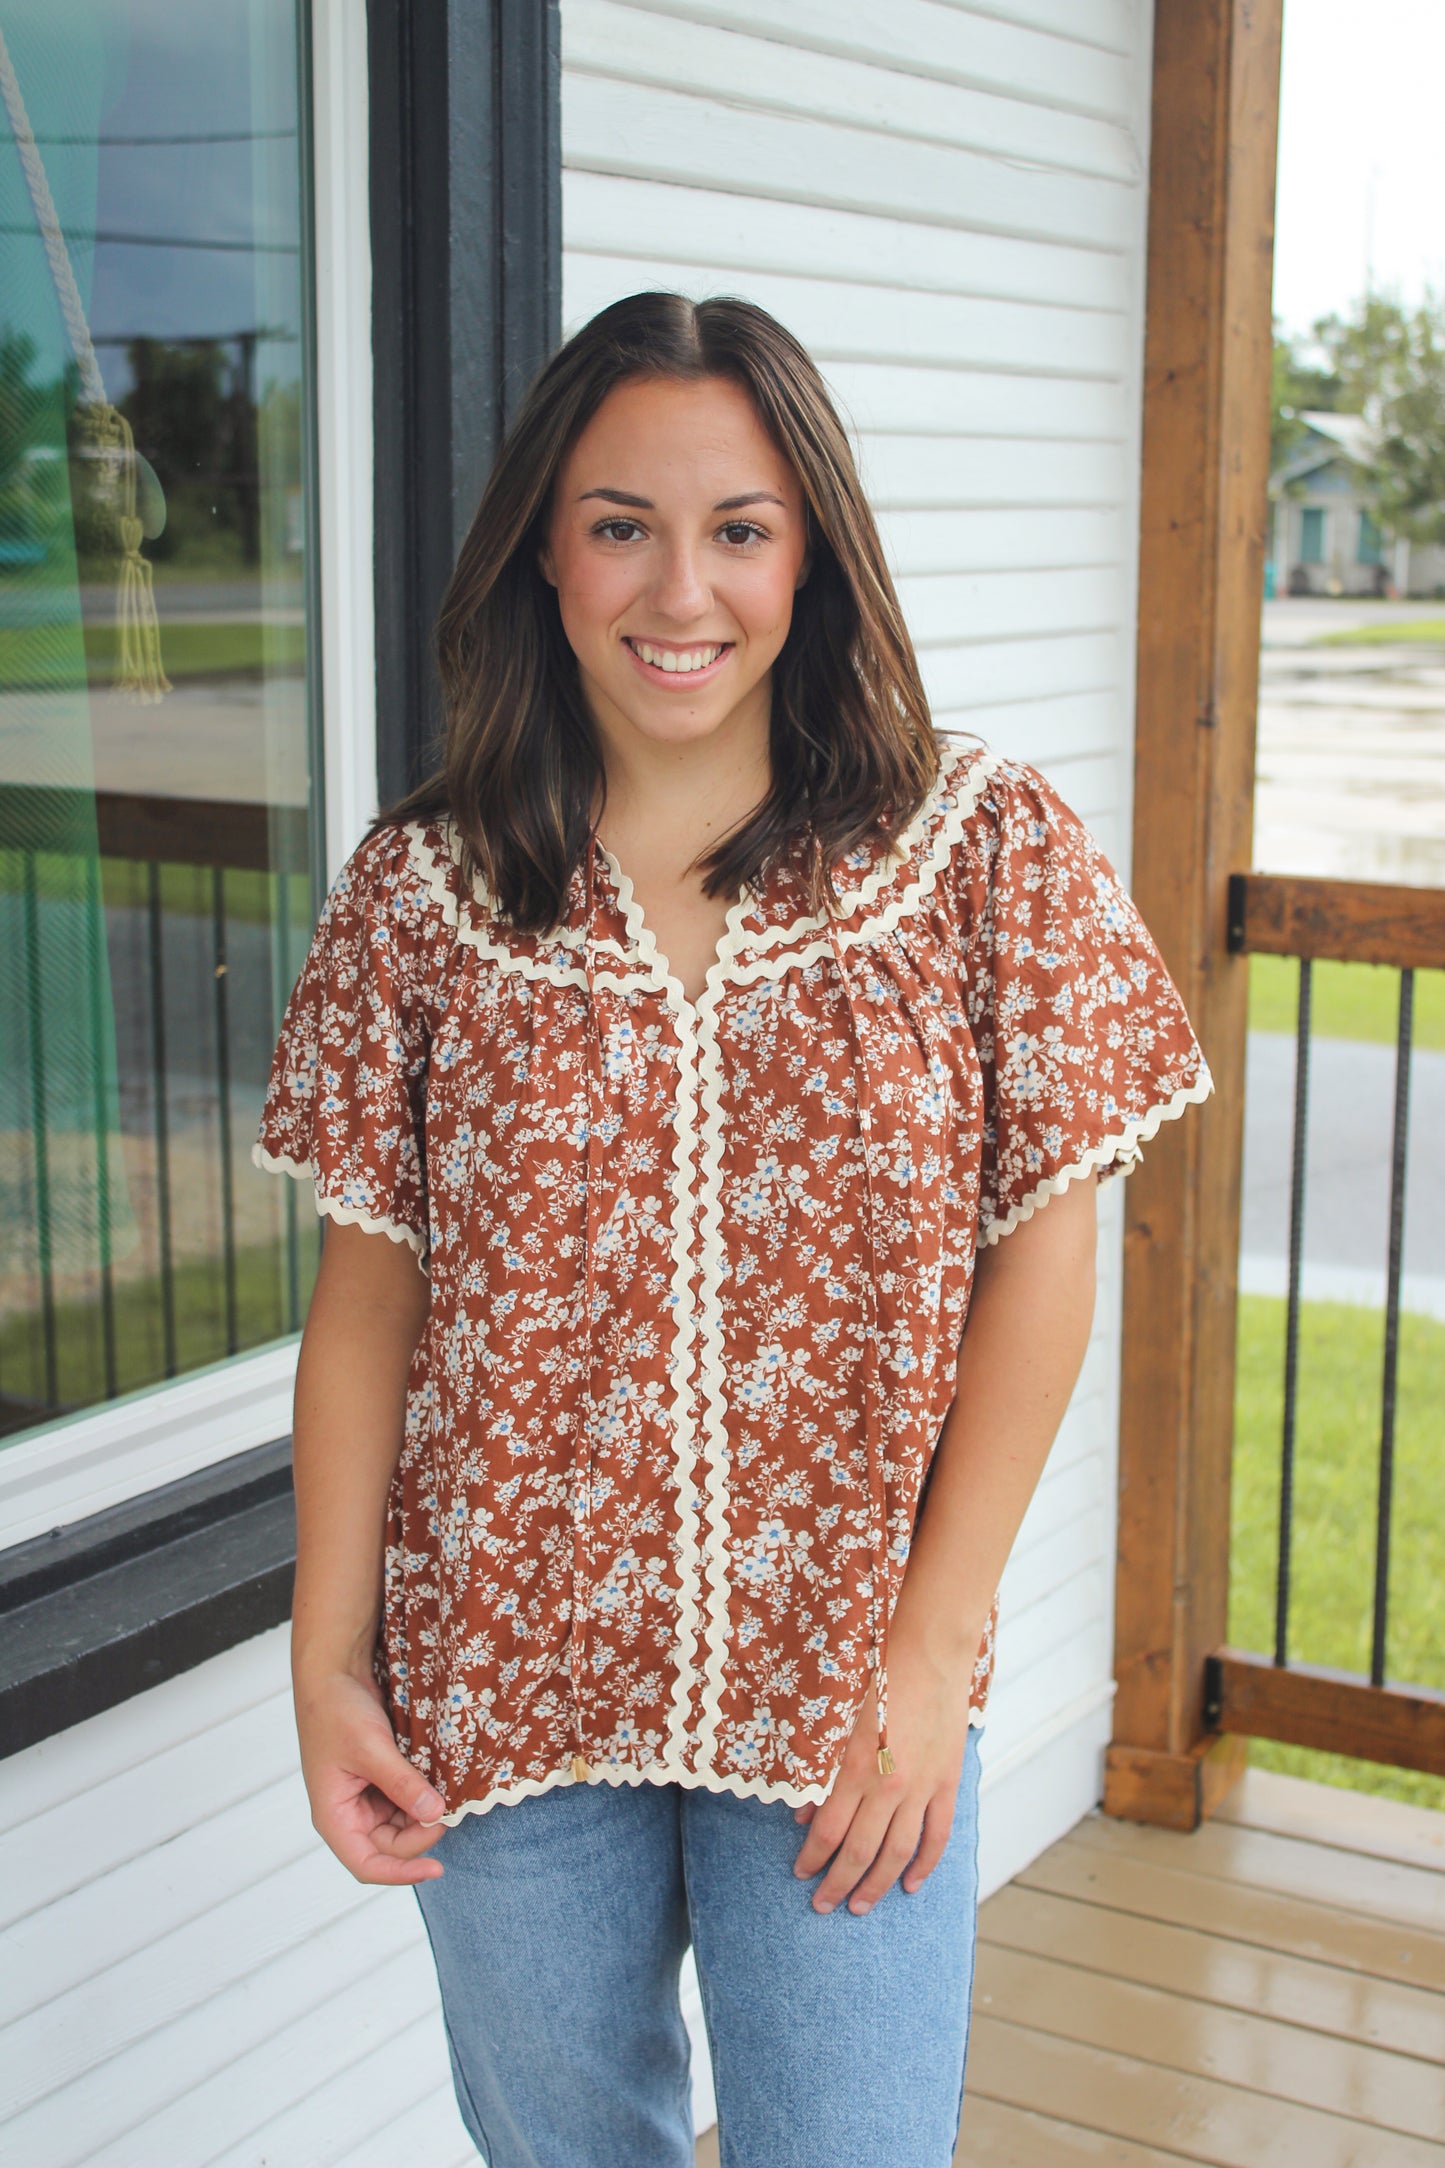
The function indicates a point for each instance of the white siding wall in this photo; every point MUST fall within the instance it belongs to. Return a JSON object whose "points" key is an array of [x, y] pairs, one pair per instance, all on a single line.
{"points": [[187, 1977], [947, 204]]}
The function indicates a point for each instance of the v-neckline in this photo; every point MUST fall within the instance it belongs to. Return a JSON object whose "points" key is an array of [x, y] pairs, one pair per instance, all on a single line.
{"points": [[643, 940]]}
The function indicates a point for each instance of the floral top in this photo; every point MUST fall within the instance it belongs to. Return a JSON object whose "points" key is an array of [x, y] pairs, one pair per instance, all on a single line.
{"points": [[699, 1273]]}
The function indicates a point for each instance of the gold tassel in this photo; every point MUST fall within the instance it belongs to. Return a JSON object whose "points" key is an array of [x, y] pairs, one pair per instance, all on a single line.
{"points": [[580, 1769], [886, 1764], [140, 674]]}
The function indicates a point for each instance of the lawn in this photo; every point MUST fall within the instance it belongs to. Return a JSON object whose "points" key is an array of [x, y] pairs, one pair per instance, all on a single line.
{"points": [[1428, 629], [1347, 1001], [263, 1306], [1335, 1483], [37, 657]]}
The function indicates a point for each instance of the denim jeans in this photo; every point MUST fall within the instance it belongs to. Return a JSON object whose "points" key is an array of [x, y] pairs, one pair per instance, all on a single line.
{"points": [[559, 1929]]}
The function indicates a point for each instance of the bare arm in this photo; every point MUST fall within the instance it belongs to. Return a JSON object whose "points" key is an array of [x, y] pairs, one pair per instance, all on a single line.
{"points": [[1028, 1327], [366, 1316]]}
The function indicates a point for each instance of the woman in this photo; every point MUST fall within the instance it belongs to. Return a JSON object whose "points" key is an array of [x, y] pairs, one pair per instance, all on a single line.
{"points": [[700, 1028]]}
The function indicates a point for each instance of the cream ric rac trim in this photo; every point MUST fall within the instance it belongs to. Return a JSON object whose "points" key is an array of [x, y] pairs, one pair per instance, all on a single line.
{"points": [[971, 789], [1117, 1146], [650, 966], [903, 905], [684, 1338], [528, 967], [650, 970], [727, 970], [348, 1215], [661, 1771], [618, 1774]]}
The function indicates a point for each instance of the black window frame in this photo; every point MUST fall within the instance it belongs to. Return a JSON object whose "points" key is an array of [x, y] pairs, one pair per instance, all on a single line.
{"points": [[465, 212]]}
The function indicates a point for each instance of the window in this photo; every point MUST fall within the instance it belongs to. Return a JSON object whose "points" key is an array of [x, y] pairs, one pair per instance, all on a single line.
{"points": [[158, 724], [1369, 544], [1312, 535]]}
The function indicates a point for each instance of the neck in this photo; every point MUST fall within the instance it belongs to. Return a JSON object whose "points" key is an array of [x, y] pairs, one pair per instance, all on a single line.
{"points": [[676, 800]]}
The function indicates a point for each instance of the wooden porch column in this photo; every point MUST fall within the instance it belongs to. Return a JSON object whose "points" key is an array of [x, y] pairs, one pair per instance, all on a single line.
{"points": [[1202, 534]]}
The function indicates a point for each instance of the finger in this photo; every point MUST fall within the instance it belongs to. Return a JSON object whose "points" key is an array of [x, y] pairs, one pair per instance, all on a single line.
{"points": [[856, 1854], [400, 1873], [385, 1767], [897, 1848], [937, 1827], [805, 1814], [826, 1831], [406, 1840], [361, 1856]]}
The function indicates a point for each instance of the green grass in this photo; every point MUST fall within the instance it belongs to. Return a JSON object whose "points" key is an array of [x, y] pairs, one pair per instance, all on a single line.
{"points": [[1347, 1001], [1429, 629], [35, 657], [250, 895], [262, 1308], [1333, 1547]]}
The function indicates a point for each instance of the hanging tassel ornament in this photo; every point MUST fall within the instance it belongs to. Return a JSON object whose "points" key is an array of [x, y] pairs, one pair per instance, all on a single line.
{"points": [[107, 439]]}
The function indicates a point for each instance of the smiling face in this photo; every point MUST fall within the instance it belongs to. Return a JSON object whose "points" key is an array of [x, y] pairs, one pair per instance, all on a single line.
{"points": [[676, 544]]}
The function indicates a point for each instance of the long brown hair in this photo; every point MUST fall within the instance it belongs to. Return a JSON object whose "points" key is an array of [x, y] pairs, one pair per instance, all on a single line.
{"points": [[852, 745]]}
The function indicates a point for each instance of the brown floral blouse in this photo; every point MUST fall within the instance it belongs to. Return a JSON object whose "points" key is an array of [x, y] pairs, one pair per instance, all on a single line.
{"points": [[699, 1273]]}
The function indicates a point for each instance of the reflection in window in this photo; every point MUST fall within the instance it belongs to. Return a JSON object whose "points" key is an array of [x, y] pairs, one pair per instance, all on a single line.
{"points": [[1369, 542], [156, 865], [1312, 535]]}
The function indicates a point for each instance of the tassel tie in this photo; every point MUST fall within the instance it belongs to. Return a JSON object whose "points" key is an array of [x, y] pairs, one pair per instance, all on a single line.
{"points": [[108, 443], [873, 1382], [582, 1455]]}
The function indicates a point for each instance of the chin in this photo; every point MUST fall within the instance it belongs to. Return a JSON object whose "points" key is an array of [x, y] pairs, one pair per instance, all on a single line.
{"points": [[678, 727]]}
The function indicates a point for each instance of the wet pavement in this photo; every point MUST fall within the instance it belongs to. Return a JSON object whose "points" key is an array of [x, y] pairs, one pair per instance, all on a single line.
{"points": [[1350, 785], [1350, 767]]}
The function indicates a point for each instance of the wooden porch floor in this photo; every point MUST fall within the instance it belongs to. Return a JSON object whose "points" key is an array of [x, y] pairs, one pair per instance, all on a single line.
{"points": [[1268, 1992]]}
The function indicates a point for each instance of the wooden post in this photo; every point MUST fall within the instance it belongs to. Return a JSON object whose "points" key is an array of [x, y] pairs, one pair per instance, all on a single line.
{"points": [[1208, 348]]}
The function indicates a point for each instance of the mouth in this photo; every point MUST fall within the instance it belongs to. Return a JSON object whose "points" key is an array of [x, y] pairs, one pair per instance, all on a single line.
{"points": [[678, 665]]}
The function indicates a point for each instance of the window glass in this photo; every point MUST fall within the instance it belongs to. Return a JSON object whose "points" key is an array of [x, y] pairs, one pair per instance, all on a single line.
{"points": [[157, 875], [1312, 535], [1368, 549]]}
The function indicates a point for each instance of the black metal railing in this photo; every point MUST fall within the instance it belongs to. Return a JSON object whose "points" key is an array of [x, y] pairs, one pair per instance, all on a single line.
{"points": [[1310, 1705], [129, 881]]}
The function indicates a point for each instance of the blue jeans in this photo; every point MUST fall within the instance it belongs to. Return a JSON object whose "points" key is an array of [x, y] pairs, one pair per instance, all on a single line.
{"points": [[559, 1928]]}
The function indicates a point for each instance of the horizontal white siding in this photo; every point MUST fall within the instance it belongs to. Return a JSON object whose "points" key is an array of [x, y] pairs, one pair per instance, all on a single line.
{"points": [[186, 1975], [188, 1979], [947, 204]]}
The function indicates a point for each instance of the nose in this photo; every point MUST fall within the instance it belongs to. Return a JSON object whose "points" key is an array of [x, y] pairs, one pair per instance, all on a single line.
{"points": [[680, 593]]}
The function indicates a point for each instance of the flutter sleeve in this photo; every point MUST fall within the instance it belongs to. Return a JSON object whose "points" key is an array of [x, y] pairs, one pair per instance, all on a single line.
{"points": [[346, 1098], [1081, 1033]]}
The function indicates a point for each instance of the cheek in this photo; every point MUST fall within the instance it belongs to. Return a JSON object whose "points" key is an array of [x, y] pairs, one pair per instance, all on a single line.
{"points": [[762, 599], [591, 593]]}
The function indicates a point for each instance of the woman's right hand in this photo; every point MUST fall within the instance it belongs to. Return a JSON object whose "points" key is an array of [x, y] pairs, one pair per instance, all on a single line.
{"points": [[367, 1801]]}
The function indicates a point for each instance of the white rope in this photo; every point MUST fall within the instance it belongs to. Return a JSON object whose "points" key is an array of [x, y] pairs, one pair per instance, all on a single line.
{"points": [[67, 293], [140, 673]]}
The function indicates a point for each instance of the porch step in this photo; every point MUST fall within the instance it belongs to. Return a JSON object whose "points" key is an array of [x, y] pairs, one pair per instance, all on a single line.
{"points": [[1269, 1989]]}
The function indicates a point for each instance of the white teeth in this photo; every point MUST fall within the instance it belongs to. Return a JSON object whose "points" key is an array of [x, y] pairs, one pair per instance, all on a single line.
{"points": [[665, 659]]}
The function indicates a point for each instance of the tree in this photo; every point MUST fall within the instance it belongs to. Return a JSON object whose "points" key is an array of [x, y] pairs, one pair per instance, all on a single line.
{"points": [[1295, 386], [1390, 361]]}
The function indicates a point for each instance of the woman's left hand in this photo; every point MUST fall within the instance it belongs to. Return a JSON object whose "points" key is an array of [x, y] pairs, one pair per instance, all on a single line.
{"points": [[875, 1827]]}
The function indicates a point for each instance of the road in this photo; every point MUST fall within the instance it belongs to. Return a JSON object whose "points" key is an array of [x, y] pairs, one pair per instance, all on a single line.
{"points": [[1350, 784]]}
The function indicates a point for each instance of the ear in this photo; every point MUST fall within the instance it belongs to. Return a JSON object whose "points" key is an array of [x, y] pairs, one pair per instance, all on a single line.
{"points": [[546, 564], [803, 570]]}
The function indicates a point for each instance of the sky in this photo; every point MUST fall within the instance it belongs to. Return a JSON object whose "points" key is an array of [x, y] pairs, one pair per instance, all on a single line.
{"points": [[1361, 177]]}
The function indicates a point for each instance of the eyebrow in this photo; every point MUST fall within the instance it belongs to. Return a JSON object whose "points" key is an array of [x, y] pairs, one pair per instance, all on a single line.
{"points": [[645, 504]]}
